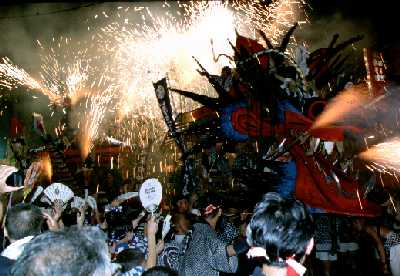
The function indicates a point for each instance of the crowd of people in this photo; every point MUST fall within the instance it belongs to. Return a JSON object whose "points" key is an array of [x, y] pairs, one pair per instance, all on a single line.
{"points": [[208, 237]]}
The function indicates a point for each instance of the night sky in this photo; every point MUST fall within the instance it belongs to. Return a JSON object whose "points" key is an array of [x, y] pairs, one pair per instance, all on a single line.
{"points": [[381, 17]]}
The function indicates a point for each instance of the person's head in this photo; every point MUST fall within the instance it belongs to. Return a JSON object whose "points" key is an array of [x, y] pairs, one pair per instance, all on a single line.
{"points": [[182, 205], [130, 258], [358, 224], [194, 197], [160, 271], [210, 208], [181, 223], [110, 179], [212, 214], [281, 227], [226, 71], [72, 251], [23, 220]]}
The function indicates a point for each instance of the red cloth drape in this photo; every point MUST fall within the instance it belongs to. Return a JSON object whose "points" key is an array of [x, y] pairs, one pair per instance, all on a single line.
{"points": [[247, 121], [313, 189], [311, 183]]}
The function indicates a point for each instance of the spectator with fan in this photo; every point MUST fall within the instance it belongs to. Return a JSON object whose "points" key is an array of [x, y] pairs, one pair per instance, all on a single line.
{"points": [[177, 243], [130, 258], [57, 195]]}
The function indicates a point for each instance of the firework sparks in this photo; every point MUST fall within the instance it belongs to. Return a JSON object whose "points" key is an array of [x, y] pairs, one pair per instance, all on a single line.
{"points": [[347, 102], [385, 156], [76, 73], [165, 44], [273, 20], [122, 59], [65, 70], [11, 76], [91, 120]]}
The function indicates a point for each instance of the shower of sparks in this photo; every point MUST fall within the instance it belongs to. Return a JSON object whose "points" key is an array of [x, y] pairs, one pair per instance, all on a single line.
{"points": [[345, 103], [113, 70], [11, 76], [81, 79], [67, 70], [384, 156], [91, 120], [273, 20], [165, 43]]}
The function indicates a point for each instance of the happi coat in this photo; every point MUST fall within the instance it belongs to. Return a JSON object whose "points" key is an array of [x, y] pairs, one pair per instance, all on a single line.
{"points": [[206, 254]]}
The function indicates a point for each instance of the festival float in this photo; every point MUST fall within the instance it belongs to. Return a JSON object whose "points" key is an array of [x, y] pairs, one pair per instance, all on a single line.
{"points": [[284, 120]]}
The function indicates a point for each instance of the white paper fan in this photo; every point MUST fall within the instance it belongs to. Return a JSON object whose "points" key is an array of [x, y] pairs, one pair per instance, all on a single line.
{"points": [[151, 194], [166, 226], [127, 196], [92, 202], [58, 191], [77, 203], [45, 199], [38, 191]]}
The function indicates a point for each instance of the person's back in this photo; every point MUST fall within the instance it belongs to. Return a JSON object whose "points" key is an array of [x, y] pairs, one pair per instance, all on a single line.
{"points": [[5, 265], [206, 254], [132, 262]]}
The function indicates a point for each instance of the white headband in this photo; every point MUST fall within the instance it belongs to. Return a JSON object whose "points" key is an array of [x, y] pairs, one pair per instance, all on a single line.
{"points": [[261, 252]]}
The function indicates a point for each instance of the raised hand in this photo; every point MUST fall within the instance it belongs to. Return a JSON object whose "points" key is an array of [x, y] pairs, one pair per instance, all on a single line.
{"points": [[128, 237], [152, 226], [51, 222], [135, 222], [53, 218], [160, 246], [5, 172]]}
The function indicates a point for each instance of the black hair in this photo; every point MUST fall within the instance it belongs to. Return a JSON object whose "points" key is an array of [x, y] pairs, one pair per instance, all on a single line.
{"points": [[73, 251], [23, 220], [160, 271], [283, 227], [129, 258], [180, 197]]}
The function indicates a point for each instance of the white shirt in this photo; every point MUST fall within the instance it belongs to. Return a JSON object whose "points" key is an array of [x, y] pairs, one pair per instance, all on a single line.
{"points": [[14, 250]]}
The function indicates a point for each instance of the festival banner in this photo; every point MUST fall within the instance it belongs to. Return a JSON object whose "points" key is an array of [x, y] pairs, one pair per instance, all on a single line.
{"points": [[376, 71]]}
